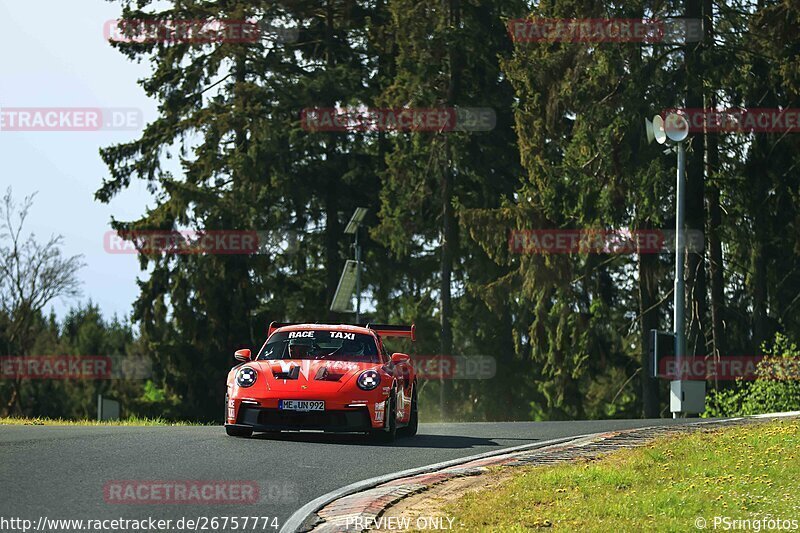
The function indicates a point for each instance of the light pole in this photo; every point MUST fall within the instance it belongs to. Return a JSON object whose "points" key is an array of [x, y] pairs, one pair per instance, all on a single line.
{"points": [[680, 252], [685, 396], [352, 229], [358, 278]]}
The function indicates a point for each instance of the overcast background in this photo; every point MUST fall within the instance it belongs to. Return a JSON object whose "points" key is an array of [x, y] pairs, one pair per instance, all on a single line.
{"points": [[54, 55]]}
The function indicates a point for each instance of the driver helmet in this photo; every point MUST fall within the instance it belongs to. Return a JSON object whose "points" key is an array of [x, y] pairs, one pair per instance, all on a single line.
{"points": [[299, 349]]}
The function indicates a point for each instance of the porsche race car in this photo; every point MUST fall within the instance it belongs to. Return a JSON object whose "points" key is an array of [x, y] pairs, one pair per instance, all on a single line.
{"points": [[333, 378]]}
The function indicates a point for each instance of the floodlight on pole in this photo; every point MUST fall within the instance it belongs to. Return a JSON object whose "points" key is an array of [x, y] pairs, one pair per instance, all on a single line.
{"points": [[351, 276], [658, 129], [355, 221], [648, 128], [676, 128], [343, 297]]}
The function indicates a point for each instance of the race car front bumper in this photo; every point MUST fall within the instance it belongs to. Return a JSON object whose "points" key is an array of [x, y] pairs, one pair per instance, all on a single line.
{"points": [[270, 419]]}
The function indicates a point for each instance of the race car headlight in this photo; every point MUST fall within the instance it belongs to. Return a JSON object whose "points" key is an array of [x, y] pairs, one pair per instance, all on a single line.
{"points": [[246, 377], [368, 380]]}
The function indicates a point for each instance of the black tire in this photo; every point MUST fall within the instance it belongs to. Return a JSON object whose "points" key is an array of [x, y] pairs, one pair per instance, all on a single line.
{"points": [[388, 433], [413, 421], [238, 431]]}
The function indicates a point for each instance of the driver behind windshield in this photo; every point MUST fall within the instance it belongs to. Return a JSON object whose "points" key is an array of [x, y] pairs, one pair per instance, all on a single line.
{"points": [[321, 344], [300, 349]]}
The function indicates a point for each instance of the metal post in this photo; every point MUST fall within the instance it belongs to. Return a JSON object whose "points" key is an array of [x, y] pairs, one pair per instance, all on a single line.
{"points": [[680, 247], [358, 280]]}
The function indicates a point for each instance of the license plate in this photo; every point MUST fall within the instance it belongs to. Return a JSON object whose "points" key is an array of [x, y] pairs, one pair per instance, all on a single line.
{"points": [[301, 405]]}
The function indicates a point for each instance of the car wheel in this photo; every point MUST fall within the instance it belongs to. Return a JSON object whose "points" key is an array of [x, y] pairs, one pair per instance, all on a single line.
{"points": [[388, 434], [238, 431], [413, 421]]}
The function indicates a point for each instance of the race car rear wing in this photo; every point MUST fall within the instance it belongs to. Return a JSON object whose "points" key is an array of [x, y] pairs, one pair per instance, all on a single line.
{"points": [[389, 330], [384, 330]]}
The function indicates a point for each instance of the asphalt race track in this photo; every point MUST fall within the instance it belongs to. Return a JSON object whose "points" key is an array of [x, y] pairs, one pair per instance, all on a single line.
{"points": [[60, 471]]}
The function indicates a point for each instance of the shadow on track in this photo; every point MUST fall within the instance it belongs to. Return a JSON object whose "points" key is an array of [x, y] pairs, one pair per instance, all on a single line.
{"points": [[453, 442]]}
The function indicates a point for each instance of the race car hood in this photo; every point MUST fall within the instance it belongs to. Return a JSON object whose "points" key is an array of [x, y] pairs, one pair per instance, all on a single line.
{"points": [[290, 375]]}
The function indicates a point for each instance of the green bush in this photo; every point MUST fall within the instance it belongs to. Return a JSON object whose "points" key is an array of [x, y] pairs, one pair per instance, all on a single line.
{"points": [[775, 389]]}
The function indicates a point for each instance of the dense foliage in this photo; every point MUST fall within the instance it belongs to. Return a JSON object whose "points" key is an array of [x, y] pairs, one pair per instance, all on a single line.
{"points": [[776, 388]]}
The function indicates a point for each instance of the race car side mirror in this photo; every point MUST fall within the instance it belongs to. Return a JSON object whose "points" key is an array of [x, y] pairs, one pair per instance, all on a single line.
{"points": [[242, 355], [398, 358]]}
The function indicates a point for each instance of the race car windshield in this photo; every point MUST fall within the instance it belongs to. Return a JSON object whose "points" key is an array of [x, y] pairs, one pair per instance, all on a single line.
{"points": [[321, 344]]}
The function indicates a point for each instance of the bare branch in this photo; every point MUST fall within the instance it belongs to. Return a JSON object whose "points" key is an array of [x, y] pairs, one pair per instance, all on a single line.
{"points": [[32, 274]]}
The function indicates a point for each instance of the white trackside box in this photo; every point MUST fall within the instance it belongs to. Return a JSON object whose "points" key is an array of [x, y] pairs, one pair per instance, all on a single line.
{"points": [[687, 397]]}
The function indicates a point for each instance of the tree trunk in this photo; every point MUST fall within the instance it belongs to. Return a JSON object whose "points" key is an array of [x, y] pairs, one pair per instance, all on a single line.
{"points": [[758, 161], [714, 215], [759, 280], [695, 189], [449, 236], [333, 232], [648, 309], [446, 267]]}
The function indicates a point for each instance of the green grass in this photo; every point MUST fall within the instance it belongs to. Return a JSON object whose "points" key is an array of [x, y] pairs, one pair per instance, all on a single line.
{"points": [[742, 472], [130, 421]]}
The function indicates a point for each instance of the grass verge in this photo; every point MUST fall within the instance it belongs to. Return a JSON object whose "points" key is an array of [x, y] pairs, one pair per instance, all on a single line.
{"points": [[130, 421], [748, 472]]}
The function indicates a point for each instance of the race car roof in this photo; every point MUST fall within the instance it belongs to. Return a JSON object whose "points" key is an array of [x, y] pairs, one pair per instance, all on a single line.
{"points": [[383, 330]]}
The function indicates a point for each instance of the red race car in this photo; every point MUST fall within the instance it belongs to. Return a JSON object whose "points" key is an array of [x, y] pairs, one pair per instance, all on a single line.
{"points": [[335, 378]]}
